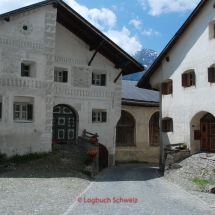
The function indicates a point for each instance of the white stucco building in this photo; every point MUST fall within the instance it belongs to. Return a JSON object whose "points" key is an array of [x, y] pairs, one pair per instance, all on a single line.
{"points": [[184, 74], [59, 75]]}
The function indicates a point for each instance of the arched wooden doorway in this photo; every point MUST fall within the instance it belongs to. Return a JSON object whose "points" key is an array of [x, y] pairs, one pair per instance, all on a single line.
{"points": [[125, 129], [154, 130], [64, 123], [207, 126]]}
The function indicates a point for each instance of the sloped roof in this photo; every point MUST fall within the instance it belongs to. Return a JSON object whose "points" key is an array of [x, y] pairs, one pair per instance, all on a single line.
{"points": [[75, 23], [132, 94], [144, 81]]}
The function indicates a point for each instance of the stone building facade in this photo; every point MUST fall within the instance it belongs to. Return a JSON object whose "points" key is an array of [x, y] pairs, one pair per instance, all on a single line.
{"points": [[50, 85], [184, 74]]}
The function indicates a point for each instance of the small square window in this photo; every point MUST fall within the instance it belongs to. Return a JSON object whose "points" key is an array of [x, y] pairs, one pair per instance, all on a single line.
{"points": [[211, 75], [60, 76], [167, 125], [23, 111], [166, 88], [98, 79], [188, 79], [99, 116]]}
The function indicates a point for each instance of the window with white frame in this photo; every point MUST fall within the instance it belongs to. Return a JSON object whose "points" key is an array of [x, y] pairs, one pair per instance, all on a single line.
{"points": [[28, 69], [60, 75], [99, 116], [0, 109], [98, 79], [23, 108]]}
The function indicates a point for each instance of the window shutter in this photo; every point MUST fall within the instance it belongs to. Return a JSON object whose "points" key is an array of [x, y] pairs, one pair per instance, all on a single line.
{"points": [[170, 87], [194, 81], [164, 88], [164, 129], [13, 111], [22, 69], [92, 79], [104, 116], [211, 74], [103, 79], [30, 111], [92, 116], [184, 79], [0, 110], [65, 75], [214, 30], [171, 125]]}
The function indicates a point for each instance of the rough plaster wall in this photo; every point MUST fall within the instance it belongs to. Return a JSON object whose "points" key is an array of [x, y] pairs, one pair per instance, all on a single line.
{"points": [[73, 54], [142, 151], [34, 45], [194, 51]]}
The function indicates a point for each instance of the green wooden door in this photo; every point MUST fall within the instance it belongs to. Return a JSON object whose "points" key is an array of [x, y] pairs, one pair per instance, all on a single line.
{"points": [[64, 123]]}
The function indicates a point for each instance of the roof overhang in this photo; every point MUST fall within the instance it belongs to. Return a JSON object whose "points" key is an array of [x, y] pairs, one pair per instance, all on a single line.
{"points": [[79, 26], [139, 103]]}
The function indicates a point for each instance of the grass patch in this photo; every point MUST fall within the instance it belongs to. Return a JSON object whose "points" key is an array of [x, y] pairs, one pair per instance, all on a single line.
{"points": [[201, 182], [27, 157]]}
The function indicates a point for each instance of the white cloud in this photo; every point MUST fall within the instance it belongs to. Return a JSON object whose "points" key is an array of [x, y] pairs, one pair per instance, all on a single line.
{"points": [[104, 19], [167, 6], [124, 40], [151, 32], [137, 23], [101, 19]]}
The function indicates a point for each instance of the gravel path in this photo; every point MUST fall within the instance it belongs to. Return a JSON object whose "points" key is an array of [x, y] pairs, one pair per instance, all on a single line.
{"points": [[149, 194], [44, 186]]}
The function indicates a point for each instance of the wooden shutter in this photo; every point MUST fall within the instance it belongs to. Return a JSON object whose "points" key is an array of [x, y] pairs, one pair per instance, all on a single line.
{"points": [[30, 111], [170, 87], [65, 75], [214, 30], [164, 88], [164, 125], [92, 116], [194, 81], [170, 121], [22, 69], [93, 82], [104, 116], [0, 110], [184, 79], [103, 79], [211, 74]]}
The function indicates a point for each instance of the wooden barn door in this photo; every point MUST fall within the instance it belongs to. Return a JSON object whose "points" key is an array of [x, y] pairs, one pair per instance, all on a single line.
{"points": [[207, 132], [154, 130], [125, 129]]}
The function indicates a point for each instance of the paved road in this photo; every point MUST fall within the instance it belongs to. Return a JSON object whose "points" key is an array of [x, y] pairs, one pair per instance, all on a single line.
{"points": [[136, 189]]}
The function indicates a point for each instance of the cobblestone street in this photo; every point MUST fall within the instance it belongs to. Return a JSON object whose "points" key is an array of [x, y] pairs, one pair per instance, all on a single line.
{"points": [[136, 189]]}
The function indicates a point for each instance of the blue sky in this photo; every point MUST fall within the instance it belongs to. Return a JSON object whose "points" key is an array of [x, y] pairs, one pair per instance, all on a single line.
{"points": [[132, 24]]}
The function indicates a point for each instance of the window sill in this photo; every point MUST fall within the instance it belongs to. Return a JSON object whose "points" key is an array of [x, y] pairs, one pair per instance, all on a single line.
{"points": [[23, 121], [125, 145]]}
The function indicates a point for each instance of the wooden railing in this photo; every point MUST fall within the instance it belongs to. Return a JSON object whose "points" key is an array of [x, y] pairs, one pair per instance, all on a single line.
{"points": [[92, 137]]}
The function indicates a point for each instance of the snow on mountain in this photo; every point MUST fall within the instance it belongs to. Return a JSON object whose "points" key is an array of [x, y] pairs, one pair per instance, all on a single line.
{"points": [[146, 57]]}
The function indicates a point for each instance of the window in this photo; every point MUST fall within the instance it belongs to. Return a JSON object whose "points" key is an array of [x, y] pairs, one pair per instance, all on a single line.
{"points": [[166, 88], [167, 125], [23, 111], [60, 76], [0, 110], [99, 116], [98, 79], [125, 129], [212, 30], [28, 69], [23, 108], [188, 79], [211, 75]]}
